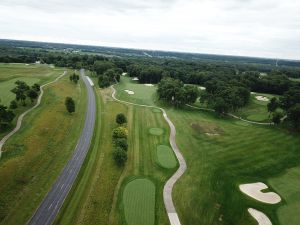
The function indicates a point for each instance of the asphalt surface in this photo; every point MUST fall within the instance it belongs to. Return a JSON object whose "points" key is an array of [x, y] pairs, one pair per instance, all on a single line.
{"points": [[49, 208], [168, 188]]}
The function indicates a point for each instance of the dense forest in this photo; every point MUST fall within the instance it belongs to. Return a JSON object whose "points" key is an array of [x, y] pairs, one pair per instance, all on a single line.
{"points": [[228, 83]]}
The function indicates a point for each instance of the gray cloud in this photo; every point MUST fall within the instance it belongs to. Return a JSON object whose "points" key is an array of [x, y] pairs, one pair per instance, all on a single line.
{"points": [[265, 28]]}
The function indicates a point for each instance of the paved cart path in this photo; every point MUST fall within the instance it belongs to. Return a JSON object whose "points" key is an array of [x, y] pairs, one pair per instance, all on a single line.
{"points": [[20, 118], [167, 193], [50, 206]]}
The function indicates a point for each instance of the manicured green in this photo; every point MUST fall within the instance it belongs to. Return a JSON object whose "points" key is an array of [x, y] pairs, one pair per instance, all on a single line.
{"points": [[35, 155], [156, 131], [165, 156], [142, 94], [287, 184], [208, 192], [139, 202]]}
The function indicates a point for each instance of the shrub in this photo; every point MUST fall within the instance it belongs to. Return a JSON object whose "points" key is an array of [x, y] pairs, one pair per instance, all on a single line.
{"points": [[121, 118], [120, 132], [121, 143], [120, 156]]}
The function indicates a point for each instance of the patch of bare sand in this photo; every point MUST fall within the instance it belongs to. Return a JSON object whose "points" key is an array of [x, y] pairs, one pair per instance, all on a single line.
{"points": [[262, 98], [254, 190], [260, 217]]}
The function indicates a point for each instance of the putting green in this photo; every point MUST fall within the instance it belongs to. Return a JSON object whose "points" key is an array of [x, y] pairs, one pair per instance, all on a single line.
{"points": [[156, 131], [139, 202], [165, 156]]}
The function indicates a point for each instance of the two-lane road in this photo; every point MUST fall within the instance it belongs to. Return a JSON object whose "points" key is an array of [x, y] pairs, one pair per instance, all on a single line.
{"points": [[49, 208]]}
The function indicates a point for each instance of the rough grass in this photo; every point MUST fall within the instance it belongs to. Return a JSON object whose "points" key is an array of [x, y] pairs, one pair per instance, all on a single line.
{"points": [[33, 157], [287, 184], [165, 156], [139, 202], [9, 73], [6, 95]]}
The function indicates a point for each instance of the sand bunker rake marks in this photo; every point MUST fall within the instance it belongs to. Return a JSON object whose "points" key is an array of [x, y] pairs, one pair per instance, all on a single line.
{"points": [[156, 131]]}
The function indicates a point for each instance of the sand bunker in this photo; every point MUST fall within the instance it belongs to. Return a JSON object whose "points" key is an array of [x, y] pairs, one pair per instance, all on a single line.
{"points": [[135, 78], [149, 85], [261, 218], [202, 88], [254, 190], [124, 74], [129, 92], [262, 98]]}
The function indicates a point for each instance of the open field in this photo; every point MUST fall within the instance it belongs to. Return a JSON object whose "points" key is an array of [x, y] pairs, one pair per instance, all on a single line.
{"points": [[10, 73], [208, 192], [98, 196], [35, 155]]}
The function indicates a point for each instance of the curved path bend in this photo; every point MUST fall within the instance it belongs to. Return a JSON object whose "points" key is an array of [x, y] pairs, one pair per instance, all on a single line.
{"points": [[20, 118], [167, 193], [50, 206]]}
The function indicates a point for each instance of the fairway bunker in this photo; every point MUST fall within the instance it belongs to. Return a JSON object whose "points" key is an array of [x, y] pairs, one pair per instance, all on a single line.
{"points": [[262, 98], [209, 129], [254, 190], [129, 92], [165, 156], [260, 217], [149, 85], [139, 202], [135, 78], [156, 131]]}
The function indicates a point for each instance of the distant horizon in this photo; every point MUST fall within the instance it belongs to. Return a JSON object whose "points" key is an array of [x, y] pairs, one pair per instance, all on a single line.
{"points": [[145, 49]]}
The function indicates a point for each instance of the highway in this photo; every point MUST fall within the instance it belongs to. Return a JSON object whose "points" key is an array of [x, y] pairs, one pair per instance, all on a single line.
{"points": [[50, 206]]}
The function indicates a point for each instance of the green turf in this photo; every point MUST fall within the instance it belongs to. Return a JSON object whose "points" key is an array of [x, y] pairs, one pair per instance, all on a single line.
{"points": [[165, 156], [139, 202], [35, 155], [142, 94], [6, 96], [288, 185], [208, 192], [156, 131]]}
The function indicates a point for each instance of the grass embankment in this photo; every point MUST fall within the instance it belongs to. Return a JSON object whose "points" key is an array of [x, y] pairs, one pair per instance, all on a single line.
{"points": [[223, 153], [36, 154], [98, 196], [218, 163], [10, 73]]}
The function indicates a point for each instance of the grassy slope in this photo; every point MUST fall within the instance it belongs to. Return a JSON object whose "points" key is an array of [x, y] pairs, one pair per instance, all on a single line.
{"points": [[218, 164], [33, 157], [9, 73], [97, 199], [208, 192]]}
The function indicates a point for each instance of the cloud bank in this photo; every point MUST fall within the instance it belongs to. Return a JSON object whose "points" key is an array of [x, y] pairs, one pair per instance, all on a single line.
{"points": [[263, 28]]}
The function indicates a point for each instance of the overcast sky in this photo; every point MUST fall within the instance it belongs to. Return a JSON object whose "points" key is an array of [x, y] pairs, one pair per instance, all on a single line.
{"points": [[264, 28]]}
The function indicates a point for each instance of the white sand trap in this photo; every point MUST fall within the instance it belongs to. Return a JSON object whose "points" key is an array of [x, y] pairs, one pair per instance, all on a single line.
{"points": [[129, 92], [27, 64], [149, 85], [252, 93], [135, 78], [124, 74], [262, 98], [254, 190], [202, 88], [261, 218]]}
